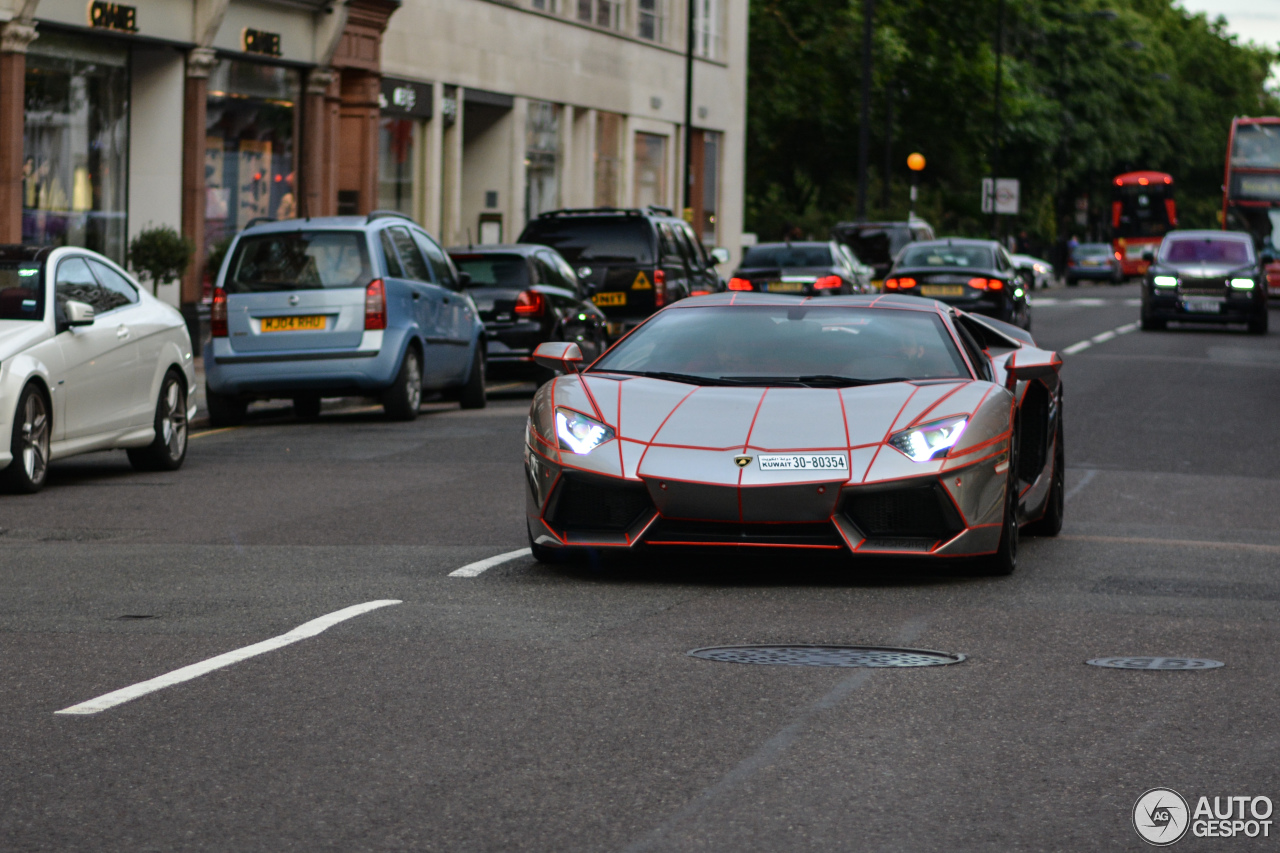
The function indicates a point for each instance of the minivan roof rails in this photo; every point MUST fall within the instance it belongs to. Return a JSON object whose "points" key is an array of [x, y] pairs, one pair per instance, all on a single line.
{"points": [[382, 214], [578, 211]]}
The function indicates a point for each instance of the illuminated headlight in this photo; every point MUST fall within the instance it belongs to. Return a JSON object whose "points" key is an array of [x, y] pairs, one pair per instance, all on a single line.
{"points": [[1242, 283], [920, 444], [1039, 267], [1165, 281], [579, 433]]}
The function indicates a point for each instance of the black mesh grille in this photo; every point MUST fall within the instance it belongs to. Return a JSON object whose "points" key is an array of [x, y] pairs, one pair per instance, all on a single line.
{"points": [[920, 512], [588, 503], [735, 533]]}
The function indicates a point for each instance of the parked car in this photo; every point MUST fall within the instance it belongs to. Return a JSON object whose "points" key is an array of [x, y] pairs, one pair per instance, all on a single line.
{"points": [[1093, 262], [814, 269], [1037, 273], [527, 294], [878, 243], [1205, 277], [632, 261], [976, 275], [336, 306], [89, 360]]}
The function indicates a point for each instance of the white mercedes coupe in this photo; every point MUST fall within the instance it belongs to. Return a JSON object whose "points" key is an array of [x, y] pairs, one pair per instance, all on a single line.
{"points": [[89, 361]]}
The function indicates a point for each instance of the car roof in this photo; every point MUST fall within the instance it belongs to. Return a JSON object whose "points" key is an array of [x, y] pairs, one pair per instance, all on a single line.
{"points": [[867, 300], [1206, 233], [650, 212], [24, 252], [499, 248], [312, 223], [812, 244], [954, 241]]}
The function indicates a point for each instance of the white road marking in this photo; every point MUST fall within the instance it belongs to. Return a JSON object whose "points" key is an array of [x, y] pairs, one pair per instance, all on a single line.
{"points": [[1133, 302], [1044, 300], [1100, 338], [1103, 338], [471, 570], [1084, 481], [195, 670], [1127, 328], [1075, 348], [1089, 301]]}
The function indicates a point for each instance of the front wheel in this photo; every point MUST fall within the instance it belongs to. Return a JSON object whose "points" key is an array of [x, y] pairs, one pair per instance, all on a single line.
{"points": [[29, 444], [402, 400], [473, 393], [169, 448]]}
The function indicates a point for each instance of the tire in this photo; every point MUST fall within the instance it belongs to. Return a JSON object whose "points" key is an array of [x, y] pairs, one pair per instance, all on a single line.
{"points": [[402, 400], [225, 410], [1151, 324], [1071, 282], [306, 407], [1258, 325], [29, 443], [1050, 524], [473, 393], [169, 448]]}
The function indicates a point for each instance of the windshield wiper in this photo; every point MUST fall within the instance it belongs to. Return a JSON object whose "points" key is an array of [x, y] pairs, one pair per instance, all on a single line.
{"points": [[813, 380], [687, 378]]}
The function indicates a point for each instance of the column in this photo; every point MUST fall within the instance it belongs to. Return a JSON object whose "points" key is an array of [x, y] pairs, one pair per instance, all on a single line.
{"points": [[317, 186], [195, 99], [517, 209], [358, 141], [14, 38], [433, 165], [451, 171]]}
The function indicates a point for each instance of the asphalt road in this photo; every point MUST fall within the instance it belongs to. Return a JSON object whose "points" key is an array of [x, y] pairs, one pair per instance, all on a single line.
{"points": [[555, 709]]}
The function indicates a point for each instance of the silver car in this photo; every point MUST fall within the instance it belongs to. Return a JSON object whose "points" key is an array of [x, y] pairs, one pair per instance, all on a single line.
{"points": [[870, 425]]}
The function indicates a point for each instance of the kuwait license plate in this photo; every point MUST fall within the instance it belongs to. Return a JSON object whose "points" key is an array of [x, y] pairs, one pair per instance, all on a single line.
{"points": [[610, 298], [804, 462], [942, 290], [1202, 305], [312, 323], [786, 287]]}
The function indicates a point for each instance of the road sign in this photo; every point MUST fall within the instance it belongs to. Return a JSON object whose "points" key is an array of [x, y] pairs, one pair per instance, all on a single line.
{"points": [[1000, 195]]}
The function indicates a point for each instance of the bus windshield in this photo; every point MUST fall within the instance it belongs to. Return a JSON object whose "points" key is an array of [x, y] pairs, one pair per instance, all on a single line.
{"points": [[1257, 146]]}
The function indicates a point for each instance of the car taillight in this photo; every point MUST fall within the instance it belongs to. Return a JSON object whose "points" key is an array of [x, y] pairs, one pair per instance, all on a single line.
{"points": [[828, 282], [659, 288], [995, 284], [218, 314], [736, 283], [375, 306], [899, 283], [530, 303], [979, 283]]}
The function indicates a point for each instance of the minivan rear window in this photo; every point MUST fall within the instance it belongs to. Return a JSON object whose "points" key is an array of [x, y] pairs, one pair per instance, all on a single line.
{"points": [[603, 240], [299, 260], [21, 290]]}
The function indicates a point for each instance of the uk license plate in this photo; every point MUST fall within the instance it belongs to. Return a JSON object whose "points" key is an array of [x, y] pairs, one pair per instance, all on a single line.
{"points": [[804, 462], [610, 298], [311, 323], [786, 287], [942, 290], [1204, 305]]}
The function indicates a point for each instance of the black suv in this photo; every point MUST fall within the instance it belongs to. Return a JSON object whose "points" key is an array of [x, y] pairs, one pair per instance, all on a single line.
{"points": [[878, 243], [632, 262]]}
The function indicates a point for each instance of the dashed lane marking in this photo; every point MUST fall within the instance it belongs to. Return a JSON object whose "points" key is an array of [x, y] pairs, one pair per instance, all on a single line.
{"points": [[471, 570], [1080, 301], [1100, 338], [195, 670]]}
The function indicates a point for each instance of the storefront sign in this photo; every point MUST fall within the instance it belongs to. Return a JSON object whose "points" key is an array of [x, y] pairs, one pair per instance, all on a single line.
{"points": [[260, 41], [113, 16], [405, 99]]}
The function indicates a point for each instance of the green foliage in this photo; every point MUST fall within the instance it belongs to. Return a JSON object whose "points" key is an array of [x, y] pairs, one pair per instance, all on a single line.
{"points": [[161, 253], [1081, 101], [217, 252]]}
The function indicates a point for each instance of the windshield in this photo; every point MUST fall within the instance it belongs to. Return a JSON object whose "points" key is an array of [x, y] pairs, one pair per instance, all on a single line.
{"points": [[1257, 146], [782, 255], [21, 294], [494, 270], [299, 260], [771, 344], [947, 256], [1091, 250], [1208, 250], [612, 239]]}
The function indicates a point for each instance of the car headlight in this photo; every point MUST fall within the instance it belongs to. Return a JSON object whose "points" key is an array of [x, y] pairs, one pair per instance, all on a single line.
{"points": [[1165, 281], [1242, 283], [922, 443], [579, 433]]}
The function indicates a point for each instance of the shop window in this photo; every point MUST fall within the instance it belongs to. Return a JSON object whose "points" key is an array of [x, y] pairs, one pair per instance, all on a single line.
{"points": [[602, 13], [76, 145], [251, 130], [649, 19], [397, 154], [651, 170], [608, 163], [708, 28], [542, 158]]}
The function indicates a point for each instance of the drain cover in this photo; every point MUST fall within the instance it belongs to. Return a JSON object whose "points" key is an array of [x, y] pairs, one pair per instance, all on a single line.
{"points": [[1156, 663], [802, 655]]}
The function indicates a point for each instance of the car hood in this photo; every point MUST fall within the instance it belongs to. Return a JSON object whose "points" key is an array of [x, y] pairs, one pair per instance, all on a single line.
{"points": [[1206, 270], [687, 433], [17, 335]]}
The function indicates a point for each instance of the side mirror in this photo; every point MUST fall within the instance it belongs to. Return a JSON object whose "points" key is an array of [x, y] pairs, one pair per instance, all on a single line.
{"points": [[77, 313], [1149, 256], [719, 255], [1030, 363], [464, 279], [559, 356]]}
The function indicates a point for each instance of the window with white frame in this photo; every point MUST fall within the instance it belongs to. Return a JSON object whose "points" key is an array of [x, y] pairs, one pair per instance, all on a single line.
{"points": [[650, 19], [708, 28], [602, 13]]}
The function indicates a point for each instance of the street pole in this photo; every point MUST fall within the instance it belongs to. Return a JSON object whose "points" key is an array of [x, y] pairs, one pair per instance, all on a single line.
{"points": [[888, 147], [688, 111], [864, 123], [995, 146]]}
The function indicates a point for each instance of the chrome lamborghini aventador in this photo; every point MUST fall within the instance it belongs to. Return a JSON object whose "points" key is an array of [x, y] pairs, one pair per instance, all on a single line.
{"points": [[885, 425]]}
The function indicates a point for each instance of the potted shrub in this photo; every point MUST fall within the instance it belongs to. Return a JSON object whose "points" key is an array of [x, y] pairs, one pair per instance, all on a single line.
{"points": [[160, 254]]}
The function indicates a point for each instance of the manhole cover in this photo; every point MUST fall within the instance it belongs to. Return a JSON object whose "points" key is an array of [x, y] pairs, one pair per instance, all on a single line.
{"points": [[826, 656], [1156, 663]]}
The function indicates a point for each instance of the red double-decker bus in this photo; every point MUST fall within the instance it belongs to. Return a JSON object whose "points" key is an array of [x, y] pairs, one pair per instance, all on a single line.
{"points": [[1142, 211], [1251, 188]]}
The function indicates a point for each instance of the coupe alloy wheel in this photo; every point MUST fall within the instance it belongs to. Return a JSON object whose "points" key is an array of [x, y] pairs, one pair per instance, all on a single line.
{"points": [[35, 438]]}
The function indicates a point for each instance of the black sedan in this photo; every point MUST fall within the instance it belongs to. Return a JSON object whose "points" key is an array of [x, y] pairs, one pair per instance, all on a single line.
{"points": [[1205, 277], [527, 295], [976, 275], [808, 269]]}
